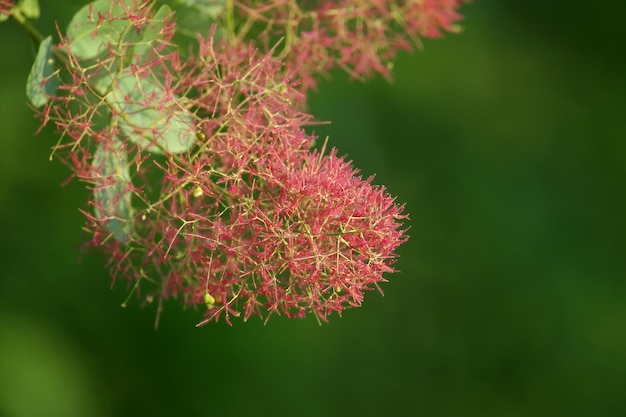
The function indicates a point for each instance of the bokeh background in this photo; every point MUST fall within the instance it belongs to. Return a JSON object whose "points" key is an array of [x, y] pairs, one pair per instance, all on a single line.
{"points": [[508, 145]]}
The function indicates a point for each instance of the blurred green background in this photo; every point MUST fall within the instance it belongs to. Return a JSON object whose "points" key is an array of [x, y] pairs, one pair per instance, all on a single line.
{"points": [[508, 145]]}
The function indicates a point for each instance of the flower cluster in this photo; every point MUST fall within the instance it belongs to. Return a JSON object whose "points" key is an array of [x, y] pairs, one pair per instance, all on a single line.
{"points": [[206, 186], [362, 37], [261, 222], [5, 7], [252, 217]]}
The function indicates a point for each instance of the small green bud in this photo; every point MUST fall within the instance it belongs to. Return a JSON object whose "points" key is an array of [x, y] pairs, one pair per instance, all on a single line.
{"points": [[209, 300]]}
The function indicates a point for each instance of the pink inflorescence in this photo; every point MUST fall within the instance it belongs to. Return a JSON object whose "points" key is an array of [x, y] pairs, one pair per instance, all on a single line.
{"points": [[362, 37], [256, 218], [5, 7], [250, 217]]}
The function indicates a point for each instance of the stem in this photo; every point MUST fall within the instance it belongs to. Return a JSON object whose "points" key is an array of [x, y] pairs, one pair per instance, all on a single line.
{"points": [[25, 24], [230, 17], [34, 34]]}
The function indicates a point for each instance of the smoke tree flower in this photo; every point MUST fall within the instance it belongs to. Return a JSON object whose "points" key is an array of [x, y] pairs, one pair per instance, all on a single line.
{"points": [[362, 37], [206, 187], [263, 223], [5, 8]]}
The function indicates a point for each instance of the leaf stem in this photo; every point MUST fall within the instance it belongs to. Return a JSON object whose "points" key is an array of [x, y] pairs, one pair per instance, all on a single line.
{"points": [[25, 24], [34, 34]]}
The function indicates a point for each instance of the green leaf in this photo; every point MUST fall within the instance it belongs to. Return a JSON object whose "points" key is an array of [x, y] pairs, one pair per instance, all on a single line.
{"points": [[102, 83], [108, 68], [101, 71], [88, 35], [42, 80], [196, 16], [29, 8], [91, 40], [149, 116], [152, 32], [111, 194], [209, 8]]}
